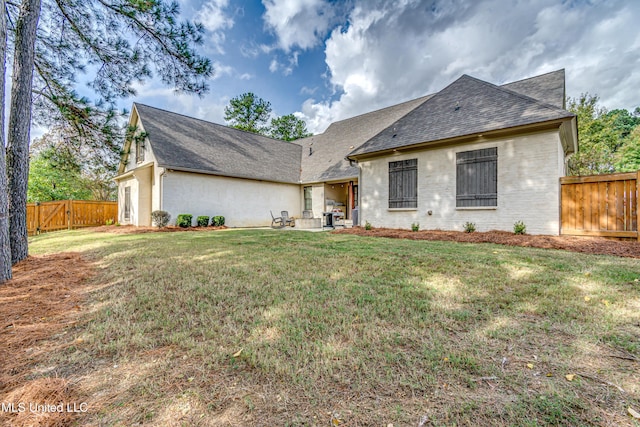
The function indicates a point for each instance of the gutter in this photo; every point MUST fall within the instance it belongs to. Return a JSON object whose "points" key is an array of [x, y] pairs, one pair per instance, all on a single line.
{"points": [[540, 126], [169, 168], [132, 172]]}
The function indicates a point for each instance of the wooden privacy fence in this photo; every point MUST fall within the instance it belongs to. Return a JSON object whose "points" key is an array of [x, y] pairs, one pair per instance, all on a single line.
{"points": [[68, 214], [600, 205]]}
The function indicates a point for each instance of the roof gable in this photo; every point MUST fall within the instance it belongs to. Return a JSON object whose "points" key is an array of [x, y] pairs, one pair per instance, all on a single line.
{"points": [[185, 143], [548, 88], [323, 155], [467, 106]]}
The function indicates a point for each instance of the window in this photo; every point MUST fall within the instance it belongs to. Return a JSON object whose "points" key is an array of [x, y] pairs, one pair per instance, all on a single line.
{"points": [[477, 178], [127, 203], [307, 198], [139, 149], [403, 184], [355, 196]]}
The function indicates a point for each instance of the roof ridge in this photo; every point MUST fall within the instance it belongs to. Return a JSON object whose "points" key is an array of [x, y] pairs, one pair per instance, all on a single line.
{"points": [[384, 108], [518, 94], [430, 99], [212, 123], [533, 77]]}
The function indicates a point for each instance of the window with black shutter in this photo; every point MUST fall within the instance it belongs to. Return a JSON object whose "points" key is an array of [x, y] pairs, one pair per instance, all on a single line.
{"points": [[477, 178], [403, 184]]}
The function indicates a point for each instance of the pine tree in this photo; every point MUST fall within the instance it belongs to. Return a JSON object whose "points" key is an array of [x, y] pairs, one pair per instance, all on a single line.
{"points": [[5, 245], [123, 41]]}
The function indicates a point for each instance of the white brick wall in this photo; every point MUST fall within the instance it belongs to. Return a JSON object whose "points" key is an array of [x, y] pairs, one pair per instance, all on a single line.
{"points": [[243, 202], [529, 168]]}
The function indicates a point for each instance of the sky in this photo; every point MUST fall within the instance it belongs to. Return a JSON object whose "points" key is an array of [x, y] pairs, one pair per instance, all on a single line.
{"points": [[330, 60]]}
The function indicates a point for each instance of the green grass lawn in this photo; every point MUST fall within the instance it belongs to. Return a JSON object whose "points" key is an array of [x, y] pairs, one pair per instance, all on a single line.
{"points": [[265, 327]]}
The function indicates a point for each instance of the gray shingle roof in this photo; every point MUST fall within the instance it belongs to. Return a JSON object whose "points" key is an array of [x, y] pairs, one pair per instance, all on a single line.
{"points": [[468, 106], [327, 163], [547, 88], [185, 143]]}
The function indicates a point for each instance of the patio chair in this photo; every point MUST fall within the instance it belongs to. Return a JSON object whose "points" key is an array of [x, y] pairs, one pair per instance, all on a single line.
{"points": [[286, 220], [276, 221]]}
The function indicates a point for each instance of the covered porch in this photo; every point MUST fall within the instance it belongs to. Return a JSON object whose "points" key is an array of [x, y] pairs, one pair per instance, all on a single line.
{"points": [[329, 205]]}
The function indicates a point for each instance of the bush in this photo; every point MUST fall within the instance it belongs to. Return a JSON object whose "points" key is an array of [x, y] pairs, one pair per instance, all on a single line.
{"points": [[109, 222], [160, 218], [217, 221], [367, 225], [519, 228], [202, 221], [469, 227], [415, 226], [184, 220]]}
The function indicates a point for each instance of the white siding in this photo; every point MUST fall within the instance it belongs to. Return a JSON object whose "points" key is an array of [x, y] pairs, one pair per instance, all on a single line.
{"points": [[529, 168], [243, 202], [148, 153], [141, 203], [132, 183]]}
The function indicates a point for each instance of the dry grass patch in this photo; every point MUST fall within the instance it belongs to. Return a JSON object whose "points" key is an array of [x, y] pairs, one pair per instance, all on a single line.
{"points": [[303, 329]]}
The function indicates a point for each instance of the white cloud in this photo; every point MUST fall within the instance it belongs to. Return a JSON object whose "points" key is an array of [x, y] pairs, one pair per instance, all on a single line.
{"points": [[253, 50], [392, 51], [214, 19], [308, 90], [298, 23], [221, 70], [274, 65], [286, 69]]}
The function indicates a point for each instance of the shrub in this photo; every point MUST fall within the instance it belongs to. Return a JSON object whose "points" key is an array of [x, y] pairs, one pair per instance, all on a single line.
{"points": [[415, 226], [519, 228], [367, 225], [160, 218], [202, 221], [217, 221], [109, 221], [469, 227], [184, 220]]}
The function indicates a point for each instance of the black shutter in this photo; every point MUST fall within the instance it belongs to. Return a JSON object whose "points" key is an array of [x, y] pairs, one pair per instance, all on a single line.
{"points": [[403, 184], [477, 178]]}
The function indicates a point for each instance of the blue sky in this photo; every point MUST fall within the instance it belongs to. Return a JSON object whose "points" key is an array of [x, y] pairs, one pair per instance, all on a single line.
{"points": [[330, 60]]}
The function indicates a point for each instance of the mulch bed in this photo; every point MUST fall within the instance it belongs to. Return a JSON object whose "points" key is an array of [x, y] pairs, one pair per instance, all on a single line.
{"points": [[37, 308], [589, 245]]}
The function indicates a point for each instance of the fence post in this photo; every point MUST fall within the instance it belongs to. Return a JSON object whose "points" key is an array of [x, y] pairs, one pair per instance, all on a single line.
{"points": [[69, 213], [638, 205], [37, 218]]}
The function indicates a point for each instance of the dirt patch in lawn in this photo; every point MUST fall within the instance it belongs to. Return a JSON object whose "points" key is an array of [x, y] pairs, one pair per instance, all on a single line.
{"points": [[589, 245], [131, 229], [37, 308]]}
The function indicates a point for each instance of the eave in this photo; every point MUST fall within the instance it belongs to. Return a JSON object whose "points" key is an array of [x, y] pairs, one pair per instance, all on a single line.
{"points": [[465, 139], [170, 168]]}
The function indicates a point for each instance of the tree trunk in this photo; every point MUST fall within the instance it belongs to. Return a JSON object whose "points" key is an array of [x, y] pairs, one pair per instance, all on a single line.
{"points": [[5, 246], [19, 126]]}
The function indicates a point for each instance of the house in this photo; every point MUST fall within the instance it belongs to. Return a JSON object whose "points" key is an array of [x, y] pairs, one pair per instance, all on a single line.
{"points": [[473, 152], [186, 165]]}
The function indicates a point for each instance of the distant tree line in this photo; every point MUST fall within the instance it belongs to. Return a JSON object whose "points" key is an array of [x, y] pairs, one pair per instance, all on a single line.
{"points": [[608, 141], [251, 113], [60, 170]]}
